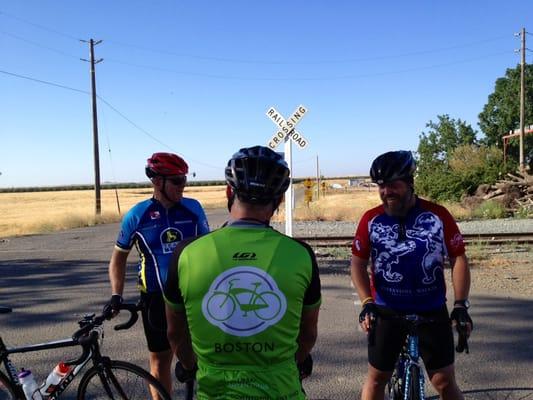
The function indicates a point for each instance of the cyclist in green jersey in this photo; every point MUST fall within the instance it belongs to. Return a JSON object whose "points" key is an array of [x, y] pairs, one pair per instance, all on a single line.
{"points": [[243, 301]]}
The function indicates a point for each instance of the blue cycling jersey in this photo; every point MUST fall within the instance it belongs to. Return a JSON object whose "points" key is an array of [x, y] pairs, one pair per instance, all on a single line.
{"points": [[155, 231]]}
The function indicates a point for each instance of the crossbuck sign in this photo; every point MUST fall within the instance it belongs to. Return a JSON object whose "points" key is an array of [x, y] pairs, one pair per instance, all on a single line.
{"points": [[286, 133], [287, 127]]}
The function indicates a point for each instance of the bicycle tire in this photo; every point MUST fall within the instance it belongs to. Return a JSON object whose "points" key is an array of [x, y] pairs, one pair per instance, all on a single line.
{"points": [[7, 391], [119, 380], [413, 391]]}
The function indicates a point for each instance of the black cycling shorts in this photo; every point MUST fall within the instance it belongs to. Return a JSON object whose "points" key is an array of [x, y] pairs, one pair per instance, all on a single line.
{"points": [[435, 340], [155, 322]]}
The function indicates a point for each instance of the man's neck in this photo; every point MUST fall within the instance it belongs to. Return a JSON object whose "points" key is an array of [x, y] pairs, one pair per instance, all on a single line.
{"points": [[163, 200], [244, 211]]}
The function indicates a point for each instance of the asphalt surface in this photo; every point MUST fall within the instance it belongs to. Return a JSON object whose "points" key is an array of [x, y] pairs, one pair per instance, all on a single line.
{"points": [[50, 280]]}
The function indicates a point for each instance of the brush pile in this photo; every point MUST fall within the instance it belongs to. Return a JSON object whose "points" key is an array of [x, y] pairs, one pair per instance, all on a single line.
{"points": [[515, 193]]}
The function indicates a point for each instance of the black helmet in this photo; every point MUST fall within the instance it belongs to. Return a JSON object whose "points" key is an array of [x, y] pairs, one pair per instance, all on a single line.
{"points": [[393, 165], [257, 175]]}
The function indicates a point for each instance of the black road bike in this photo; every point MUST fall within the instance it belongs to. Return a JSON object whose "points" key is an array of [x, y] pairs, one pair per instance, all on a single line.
{"points": [[105, 379]]}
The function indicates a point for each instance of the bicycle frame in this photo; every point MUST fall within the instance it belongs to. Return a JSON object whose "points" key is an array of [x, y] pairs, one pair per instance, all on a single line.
{"points": [[408, 360], [91, 329], [413, 359], [91, 351]]}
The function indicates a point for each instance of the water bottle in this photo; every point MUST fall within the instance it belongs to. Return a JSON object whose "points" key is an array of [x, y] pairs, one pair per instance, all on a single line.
{"points": [[30, 387], [55, 377]]}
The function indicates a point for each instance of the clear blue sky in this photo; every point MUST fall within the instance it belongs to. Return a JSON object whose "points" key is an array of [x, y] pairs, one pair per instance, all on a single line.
{"points": [[197, 77]]}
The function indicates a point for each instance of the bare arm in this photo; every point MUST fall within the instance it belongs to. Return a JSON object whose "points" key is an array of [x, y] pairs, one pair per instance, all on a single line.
{"points": [[308, 332], [460, 277], [117, 271], [360, 277], [180, 338], [361, 282]]}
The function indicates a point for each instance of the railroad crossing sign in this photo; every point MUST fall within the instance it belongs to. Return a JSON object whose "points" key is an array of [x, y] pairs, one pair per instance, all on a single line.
{"points": [[286, 133], [287, 127]]}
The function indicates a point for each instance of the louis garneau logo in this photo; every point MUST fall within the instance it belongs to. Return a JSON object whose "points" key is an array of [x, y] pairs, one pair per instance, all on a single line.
{"points": [[244, 255]]}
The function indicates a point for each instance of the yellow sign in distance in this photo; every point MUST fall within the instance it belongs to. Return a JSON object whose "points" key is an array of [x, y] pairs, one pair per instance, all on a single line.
{"points": [[308, 196], [308, 183]]}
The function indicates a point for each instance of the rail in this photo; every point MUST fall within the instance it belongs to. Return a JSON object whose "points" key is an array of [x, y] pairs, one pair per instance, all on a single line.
{"points": [[478, 238]]}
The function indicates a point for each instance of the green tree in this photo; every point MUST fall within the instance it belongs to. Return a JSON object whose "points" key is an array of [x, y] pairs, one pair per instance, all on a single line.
{"points": [[501, 114], [471, 165], [435, 177]]}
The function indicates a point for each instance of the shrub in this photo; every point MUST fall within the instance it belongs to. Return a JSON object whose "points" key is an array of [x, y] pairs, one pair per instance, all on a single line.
{"points": [[489, 209]]}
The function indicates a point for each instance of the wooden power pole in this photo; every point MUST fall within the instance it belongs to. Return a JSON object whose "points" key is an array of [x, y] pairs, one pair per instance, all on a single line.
{"points": [[522, 99], [93, 62]]}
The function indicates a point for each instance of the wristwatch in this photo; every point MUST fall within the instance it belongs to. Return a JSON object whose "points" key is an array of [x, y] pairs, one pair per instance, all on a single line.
{"points": [[462, 303]]}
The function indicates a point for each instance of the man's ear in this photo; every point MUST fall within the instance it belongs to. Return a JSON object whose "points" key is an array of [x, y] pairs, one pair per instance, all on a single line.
{"points": [[230, 195], [157, 181]]}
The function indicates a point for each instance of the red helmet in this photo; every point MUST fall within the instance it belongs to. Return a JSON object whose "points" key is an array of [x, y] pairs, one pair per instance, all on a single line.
{"points": [[165, 164]]}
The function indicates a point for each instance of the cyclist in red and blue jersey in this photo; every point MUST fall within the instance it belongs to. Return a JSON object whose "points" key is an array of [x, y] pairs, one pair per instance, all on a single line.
{"points": [[407, 240], [155, 226]]}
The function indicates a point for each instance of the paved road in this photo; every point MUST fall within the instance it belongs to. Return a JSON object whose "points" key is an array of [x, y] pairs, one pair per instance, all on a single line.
{"points": [[50, 279]]}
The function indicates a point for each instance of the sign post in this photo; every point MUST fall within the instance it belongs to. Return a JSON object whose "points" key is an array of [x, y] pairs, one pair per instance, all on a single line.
{"points": [[287, 134]]}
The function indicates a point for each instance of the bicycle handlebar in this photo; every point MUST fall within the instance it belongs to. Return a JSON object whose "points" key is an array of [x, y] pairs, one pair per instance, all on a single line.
{"points": [[85, 336], [134, 316], [92, 321]]}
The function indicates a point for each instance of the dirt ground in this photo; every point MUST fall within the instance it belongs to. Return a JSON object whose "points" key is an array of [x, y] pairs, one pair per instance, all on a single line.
{"points": [[503, 271]]}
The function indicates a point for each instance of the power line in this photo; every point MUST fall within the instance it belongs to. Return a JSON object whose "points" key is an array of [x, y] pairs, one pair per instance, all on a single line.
{"points": [[113, 108], [268, 62], [39, 26], [299, 78], [44, 82], [310, 62], [37, 44]]}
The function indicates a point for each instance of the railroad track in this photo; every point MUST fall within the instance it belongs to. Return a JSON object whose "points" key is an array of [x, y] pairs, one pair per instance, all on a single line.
{"points": [[478, 238]]}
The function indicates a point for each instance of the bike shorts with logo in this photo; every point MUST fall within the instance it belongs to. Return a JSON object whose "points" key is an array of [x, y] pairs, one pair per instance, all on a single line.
{"points": [[154, 322], [280, 382], [435, 340]]}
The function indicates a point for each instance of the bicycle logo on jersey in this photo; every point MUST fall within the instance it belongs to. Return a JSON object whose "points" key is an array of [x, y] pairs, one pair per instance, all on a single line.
{"points": [[244, 301]]}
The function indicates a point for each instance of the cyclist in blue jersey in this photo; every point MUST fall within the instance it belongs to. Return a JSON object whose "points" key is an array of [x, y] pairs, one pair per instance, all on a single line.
{"points": [[407, 239], [155, 226]]}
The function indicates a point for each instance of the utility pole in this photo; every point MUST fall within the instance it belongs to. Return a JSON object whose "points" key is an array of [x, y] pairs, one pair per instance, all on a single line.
{"points": [[317, 179], [522, 99], [92, 43]]}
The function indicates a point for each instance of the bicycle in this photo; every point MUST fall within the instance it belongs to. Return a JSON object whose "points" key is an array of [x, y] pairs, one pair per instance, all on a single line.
{"points": [[222, 304], [407, 381], [105, 379]]}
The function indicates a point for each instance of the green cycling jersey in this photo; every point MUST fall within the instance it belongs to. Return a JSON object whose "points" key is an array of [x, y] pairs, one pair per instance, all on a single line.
{"points": [[243, 289]]}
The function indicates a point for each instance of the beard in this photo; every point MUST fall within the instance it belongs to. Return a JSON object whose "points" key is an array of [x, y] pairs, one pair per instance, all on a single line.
{"points": [[397, 205]]}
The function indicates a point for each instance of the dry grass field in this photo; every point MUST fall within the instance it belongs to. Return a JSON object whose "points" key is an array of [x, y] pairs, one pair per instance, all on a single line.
{"points": [[335, 205], [40, 212]]}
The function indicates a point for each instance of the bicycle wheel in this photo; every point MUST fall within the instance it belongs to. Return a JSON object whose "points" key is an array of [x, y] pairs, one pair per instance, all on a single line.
{"points": [[6, 389], [413, 390], [119, 380]]}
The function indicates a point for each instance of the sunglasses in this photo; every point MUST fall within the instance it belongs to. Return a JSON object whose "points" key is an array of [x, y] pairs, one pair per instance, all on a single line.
{"points": [[178, 180]]}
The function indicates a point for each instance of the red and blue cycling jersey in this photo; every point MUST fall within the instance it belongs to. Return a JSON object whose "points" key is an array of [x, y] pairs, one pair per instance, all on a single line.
{"points": [[408, 255], [155, 231]]}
